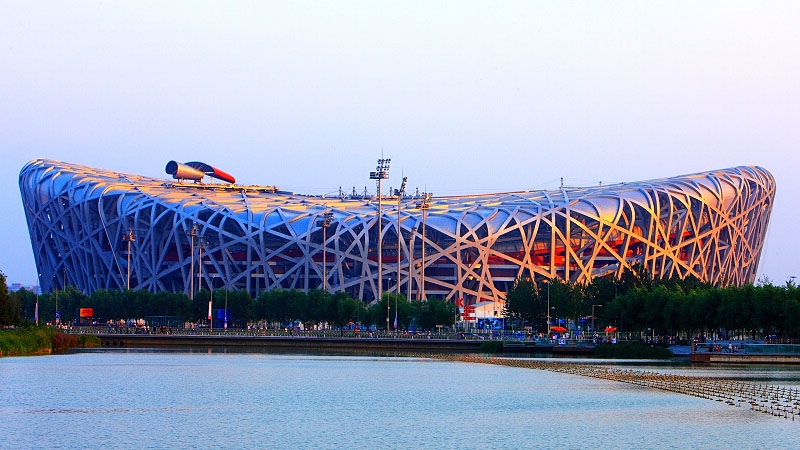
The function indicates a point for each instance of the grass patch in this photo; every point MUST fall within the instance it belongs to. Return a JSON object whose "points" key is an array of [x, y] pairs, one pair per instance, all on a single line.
{"points": [[630, 350], [40, 341]]}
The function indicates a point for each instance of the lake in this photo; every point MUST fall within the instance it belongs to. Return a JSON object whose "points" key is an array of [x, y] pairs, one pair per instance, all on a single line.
{"points": [[217, 398]]}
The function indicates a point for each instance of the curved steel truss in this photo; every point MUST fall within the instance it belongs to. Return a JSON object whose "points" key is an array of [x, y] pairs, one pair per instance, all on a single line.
{"points": [[98, 229]]}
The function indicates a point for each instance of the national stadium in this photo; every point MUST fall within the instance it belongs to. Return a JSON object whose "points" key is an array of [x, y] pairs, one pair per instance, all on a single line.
{"points": [[197, 229]]}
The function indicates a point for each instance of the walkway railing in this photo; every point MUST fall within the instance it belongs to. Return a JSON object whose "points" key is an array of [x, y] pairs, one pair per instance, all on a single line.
{"points": [[748, 348], [507, 336]]}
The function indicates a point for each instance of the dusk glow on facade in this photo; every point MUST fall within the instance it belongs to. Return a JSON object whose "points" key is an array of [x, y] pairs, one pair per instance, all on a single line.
{"points": [[98, 229]]}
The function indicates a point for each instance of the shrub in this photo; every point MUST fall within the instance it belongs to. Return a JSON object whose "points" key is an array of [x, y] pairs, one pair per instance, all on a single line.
{"points": [[40, 340]]}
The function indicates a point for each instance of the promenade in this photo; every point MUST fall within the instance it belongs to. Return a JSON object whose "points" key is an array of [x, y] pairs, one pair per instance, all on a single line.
{"points": [[745, 353], [329, 342], [458, 342]]}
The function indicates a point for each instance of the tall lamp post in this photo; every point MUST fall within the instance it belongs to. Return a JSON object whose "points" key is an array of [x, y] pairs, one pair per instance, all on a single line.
{"points": [[424, 205], [58, 316], [327, 218], [399, 193], [129, 236], [201, 242], [548, 306], [790, 285], [192, 234], [211, 305], [225, 324], [381, 173]]}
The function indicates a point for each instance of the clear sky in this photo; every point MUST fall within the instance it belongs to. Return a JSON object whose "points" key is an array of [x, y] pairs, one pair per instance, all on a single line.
{"points": [[463, 96]]}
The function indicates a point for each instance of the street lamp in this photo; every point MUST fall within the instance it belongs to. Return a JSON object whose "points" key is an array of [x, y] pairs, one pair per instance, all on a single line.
{"points": [[424, 205], [327, 218], [192, 234], [210, 305], [548, 283], [129, 236], [225, 324], [202, 242], [381, 173], [399, 193], [790, 285], [58, 315]]}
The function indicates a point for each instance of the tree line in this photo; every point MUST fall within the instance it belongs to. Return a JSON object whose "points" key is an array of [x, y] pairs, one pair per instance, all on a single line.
{"points": [[634, 302], [638, 303], [273, 308]]}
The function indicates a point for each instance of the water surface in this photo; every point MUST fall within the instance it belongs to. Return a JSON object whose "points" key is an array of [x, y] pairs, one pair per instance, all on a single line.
{"points": [[134, 398]]}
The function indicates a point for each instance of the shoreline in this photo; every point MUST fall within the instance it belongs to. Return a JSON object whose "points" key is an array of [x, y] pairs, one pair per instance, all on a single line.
{"points": [[38, 341]]}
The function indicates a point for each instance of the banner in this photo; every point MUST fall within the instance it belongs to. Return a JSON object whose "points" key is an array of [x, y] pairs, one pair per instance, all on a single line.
{"points": [[491, 324]]}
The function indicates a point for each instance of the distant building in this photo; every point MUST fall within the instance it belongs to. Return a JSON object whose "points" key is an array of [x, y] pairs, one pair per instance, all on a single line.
{"points": [[87, 224], [14, 287]]}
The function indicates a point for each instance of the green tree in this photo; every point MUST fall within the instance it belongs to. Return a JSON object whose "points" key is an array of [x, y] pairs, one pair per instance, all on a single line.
{"points": [[348, 309], [27, 305], [566, 300], [432, 312], [523, 302], [10, 313], [315, 307]]}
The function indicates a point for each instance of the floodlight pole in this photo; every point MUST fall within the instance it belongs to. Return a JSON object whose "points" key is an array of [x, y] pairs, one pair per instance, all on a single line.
{"points": [[400, 192], [424, 205], [548, 307], [789, 285], [58, 316], [326, 222], [129, 237], [192, 234], [211, 305], [225, 324], [200, 244], [381, 172]]}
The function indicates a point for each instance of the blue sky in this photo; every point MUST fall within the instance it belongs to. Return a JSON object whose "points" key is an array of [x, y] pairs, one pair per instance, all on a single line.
{"points": [[463, 96]]}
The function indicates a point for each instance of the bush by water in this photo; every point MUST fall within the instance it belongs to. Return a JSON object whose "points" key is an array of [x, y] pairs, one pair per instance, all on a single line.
{"points": [[41, 340]]}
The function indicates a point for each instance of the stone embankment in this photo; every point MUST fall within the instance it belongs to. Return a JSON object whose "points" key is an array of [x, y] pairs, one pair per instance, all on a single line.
{"points": [[778, 401]]}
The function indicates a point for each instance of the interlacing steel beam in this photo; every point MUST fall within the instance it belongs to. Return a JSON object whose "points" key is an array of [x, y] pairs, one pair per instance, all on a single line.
{"points": [[709, 225]]}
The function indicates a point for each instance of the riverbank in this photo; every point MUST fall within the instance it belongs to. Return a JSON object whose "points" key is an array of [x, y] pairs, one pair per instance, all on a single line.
{"points": [[434, 343], [745, 358], [41, 341], [303, 342], [745, 353]]}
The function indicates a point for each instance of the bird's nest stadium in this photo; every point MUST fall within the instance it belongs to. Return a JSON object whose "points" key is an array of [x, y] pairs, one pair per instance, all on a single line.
{"points": [[99, 229]]}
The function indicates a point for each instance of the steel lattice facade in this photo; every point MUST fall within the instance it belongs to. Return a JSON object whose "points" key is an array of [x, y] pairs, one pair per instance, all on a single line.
{"points": [[83, 221]]}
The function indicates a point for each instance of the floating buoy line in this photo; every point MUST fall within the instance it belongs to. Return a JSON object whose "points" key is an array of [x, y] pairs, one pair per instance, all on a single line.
{"points": [[778, 401]]}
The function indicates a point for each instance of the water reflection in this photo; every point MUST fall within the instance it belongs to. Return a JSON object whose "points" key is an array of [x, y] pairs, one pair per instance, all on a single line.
{"points": [[235, 398]]}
